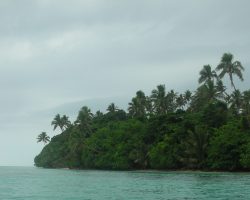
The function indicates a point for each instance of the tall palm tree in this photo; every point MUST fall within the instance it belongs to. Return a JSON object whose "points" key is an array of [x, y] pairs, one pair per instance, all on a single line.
{"points": [[236, 101], [57, 122], [84, 121], [43, 137], [188, 95], [246, 102], [133, 107], [65, 122], [221, 89], [140, 95], [230, 67], [180, 101], [204, 94], [207, 74], [149, 106], [112, 108], [171, 101], [62, 122], [98, 114], [137, 107], [158, 97], [210, 92]]}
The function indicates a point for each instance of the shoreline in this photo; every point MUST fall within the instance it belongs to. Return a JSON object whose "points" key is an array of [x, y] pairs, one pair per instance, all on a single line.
{"points": [[151, 170]]}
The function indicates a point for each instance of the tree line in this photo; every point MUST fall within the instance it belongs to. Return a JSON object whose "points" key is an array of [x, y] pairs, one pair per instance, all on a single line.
{"points": [[206, 129]]}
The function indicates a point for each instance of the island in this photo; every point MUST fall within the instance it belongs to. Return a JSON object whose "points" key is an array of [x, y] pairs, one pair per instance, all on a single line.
{"points": [[205, 129]]}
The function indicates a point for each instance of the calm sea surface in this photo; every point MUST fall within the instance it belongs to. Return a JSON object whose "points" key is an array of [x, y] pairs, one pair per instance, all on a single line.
{"points": [[37, 184]]}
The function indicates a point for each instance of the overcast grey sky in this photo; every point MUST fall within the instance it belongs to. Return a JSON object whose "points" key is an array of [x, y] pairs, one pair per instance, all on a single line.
{"points": [[58, 55]]}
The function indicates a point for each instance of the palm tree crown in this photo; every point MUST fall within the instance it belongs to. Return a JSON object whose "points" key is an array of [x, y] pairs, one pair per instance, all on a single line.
{"points": [[227, 66], [43, 137], [246, 101], [188, 95], [138, 106], [112, 108], [236, 101], [84, 120], [158, 97], [206, 74], [61, 122]]}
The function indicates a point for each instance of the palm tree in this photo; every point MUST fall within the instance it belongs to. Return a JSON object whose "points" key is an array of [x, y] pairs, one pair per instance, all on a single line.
{"points": [[84, 121], [246, 102], [65, 122], [133, 107], [112, 108], [140, 95], [98, 114], [57, 122], [188, 95], [158, 97], [149, 106], [227, 66], [180, 101], [210, 91], [43, 137], [206, 74], [221, 89], [171, 101], [137, 107], [236, 101], [62, 122], [205, 93]]}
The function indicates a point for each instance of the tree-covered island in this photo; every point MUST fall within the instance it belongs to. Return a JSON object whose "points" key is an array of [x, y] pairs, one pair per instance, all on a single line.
{"points": [[208, 129]]}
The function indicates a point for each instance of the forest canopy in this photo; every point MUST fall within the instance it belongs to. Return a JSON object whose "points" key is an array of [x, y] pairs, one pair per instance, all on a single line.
{"points": [[208, 129]]}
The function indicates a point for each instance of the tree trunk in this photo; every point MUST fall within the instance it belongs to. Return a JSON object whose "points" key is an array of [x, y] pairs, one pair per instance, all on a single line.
{"points": [[232, 83]]}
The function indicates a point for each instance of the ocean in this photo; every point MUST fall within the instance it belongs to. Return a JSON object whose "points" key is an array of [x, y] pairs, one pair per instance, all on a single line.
{"points": [[61, 184]]}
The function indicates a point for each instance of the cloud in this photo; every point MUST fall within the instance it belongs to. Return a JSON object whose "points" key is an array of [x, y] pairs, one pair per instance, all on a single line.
{"points": [[15, 51]]}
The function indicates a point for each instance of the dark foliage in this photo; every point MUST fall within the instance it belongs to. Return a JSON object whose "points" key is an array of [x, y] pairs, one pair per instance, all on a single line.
{"points": [[208, 129]]}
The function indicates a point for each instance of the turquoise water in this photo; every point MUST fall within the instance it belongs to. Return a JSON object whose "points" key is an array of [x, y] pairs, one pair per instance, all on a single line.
{"points": [[38, 184]]}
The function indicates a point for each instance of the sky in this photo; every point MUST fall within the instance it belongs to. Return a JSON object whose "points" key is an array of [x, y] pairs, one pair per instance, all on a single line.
{"points": [[58, 55]]}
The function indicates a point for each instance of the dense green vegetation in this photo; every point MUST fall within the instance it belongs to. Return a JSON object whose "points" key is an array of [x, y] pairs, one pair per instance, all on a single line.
{"points": [[206, 129]]}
